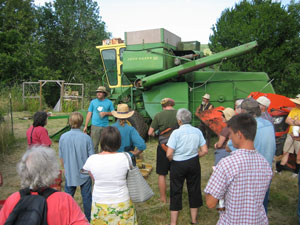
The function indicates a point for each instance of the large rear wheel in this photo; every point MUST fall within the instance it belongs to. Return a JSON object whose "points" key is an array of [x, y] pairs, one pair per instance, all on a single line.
{"points": [[138, 122]]}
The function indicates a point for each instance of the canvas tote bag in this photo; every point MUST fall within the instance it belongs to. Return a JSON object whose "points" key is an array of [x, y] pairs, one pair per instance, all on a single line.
{"points": [[139, 189]]}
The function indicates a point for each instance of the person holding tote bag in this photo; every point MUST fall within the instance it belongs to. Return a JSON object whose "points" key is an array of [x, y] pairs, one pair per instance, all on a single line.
{"points": [[111, 203]]}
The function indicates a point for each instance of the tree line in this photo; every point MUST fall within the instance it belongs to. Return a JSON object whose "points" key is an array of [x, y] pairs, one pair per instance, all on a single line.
{"points": [[57, 41], [276, 28]]}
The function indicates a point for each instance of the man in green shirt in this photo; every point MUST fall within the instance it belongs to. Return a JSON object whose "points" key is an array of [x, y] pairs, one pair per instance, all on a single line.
{"points": [[165, 122]]}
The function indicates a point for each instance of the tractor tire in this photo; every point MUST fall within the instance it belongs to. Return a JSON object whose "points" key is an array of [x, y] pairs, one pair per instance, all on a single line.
{"points": [[138, 122]]}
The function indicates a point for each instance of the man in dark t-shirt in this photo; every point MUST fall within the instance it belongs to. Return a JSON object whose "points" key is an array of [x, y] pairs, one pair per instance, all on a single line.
{"points": [[165, 122]]}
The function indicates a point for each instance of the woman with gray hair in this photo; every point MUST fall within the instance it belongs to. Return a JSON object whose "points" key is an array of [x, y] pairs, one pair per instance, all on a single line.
{"points": [[38, 169], [185, 146]]}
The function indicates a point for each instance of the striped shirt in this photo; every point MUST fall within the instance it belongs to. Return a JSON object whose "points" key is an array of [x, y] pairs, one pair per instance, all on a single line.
{"points": [[242, 179]]}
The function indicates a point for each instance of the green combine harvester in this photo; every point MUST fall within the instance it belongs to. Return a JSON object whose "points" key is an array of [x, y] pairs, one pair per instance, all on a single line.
{"points": [[154, 64]]}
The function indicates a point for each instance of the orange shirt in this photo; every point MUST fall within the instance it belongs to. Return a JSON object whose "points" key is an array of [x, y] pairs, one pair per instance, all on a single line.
{"points": [[62, 209]]}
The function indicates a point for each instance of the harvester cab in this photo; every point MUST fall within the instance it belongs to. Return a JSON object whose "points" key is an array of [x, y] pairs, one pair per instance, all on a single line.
{"points": [[154, 64]]}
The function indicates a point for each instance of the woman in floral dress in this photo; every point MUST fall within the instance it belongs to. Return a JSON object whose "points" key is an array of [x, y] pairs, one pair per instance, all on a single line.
{"points": [[111, 202]]}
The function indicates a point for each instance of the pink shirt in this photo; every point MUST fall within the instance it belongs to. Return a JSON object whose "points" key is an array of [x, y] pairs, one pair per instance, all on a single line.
{"points": [[62, 209], [39, 136]]}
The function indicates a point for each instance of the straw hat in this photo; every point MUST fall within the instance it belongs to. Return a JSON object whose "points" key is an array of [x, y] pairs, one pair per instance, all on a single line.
{"points": [[207, 96], [102, 89], [298, 96], [264, 101], [295, 100], [122, 112], [228, 113]]}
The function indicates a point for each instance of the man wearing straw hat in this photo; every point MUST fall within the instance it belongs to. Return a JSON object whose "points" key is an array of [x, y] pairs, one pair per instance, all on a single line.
{"points": [[291, 145], [131, 141], [99, 110]]}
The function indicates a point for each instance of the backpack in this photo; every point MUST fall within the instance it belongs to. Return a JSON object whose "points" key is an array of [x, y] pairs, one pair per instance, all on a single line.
{"points": [[164, 137], [31, 209]]}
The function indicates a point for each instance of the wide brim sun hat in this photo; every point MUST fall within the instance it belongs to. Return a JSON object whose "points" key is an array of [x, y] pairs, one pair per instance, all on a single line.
{"points": [[295, 100], [228, 113], [122, 112]]}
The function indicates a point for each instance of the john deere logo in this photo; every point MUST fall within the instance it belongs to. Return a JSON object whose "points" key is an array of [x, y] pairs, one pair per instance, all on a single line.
{"points": [[142, 58]]}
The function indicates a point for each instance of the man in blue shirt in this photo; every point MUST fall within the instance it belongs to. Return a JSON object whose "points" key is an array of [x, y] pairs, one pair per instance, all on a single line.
{"points": [[74, 149], [264, 142], [99, 110]]}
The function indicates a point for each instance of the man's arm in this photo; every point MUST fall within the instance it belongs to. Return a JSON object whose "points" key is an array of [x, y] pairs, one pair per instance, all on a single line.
{"points": [[210, 107], [203, 150], [211, 202], [292, 122], [197, 112], [220, 142], [137, 141], [170, 152], [102, 114], [151, 132], [136, 152], [87, 120], [90, 147], [91, 175], [62, 163]]}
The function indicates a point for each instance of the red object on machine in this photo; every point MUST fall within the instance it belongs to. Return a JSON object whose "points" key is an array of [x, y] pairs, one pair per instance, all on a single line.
{"points": [[279, 102], [280, 106], [213, 119]]}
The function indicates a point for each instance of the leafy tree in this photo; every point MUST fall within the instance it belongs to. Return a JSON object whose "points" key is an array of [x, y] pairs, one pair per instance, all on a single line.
{"points": [[20, 56], [70, 31], [276, 29]]}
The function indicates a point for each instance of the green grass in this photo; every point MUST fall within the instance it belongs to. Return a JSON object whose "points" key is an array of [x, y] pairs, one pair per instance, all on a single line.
{"points": [[283, 195]]}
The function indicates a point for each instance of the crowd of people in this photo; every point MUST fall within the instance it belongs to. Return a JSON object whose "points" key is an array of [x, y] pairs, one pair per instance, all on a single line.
{"points": [[239, 185]]}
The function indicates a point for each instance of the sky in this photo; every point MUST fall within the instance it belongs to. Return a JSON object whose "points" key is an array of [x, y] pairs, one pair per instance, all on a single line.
{"points": [[191, 20]]}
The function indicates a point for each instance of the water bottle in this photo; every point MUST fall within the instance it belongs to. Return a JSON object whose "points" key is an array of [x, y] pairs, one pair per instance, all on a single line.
{"points": [[221, 205]]}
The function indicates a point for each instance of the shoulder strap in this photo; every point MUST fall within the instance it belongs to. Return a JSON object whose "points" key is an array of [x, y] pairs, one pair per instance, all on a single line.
{"points": [[129, 160], [47, 192], [25, 191], [31, 135]]}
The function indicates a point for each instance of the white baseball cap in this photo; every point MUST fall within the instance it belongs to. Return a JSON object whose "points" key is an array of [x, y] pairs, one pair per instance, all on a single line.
{"points": [[264, 101]]}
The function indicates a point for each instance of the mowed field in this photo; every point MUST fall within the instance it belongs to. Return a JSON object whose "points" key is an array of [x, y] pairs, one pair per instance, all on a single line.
{"points": [[283, 196]]}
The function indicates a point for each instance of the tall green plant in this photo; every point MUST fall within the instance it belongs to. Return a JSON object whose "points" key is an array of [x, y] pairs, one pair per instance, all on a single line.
{"points": [[70, 31], [20, 55]]}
